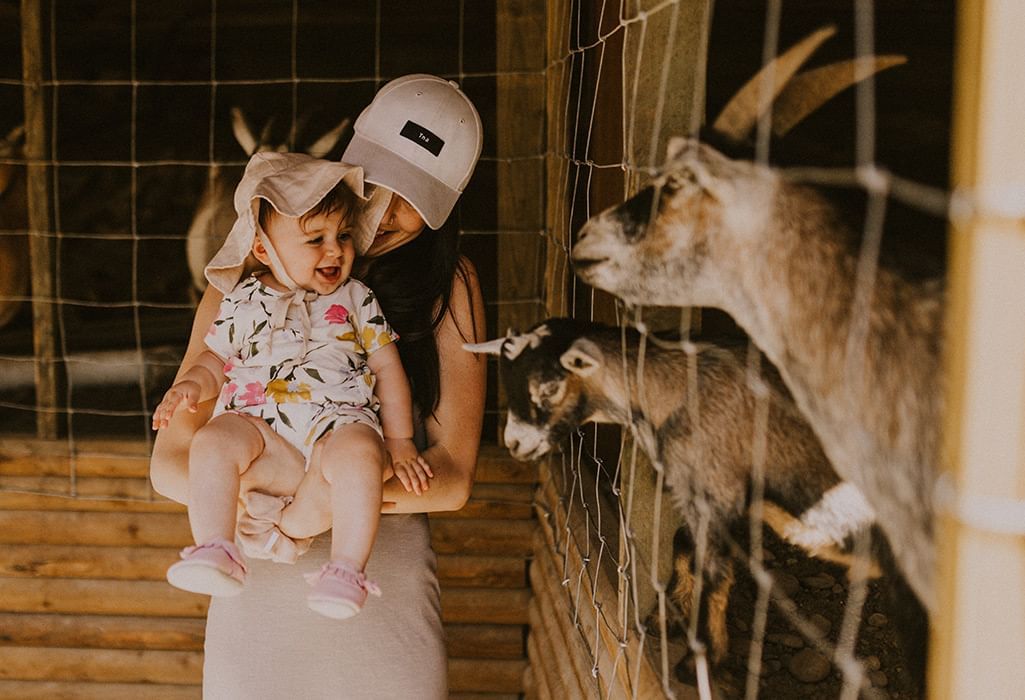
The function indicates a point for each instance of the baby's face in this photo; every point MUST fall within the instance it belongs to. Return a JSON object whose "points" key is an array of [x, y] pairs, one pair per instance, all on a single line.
{"points": [[317, 253]]}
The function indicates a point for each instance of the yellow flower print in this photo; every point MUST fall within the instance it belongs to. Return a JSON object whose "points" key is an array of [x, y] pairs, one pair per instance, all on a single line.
{"points": [[369, 334], [383, 339], [284, 391]]}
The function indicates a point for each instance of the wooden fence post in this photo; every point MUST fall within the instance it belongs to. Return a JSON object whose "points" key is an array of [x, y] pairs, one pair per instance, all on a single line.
{"points": [[40, 245], [979, 629]]}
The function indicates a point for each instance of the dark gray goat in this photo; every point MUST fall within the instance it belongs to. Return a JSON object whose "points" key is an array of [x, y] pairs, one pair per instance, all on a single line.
{"points": [[563, 373], [732, 234]]}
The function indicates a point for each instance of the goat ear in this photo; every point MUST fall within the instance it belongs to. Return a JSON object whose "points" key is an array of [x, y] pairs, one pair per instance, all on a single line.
{"points": [[583, 358], [490, 347], [703, 164], [243, 133], [322, 146], [676, 147]]}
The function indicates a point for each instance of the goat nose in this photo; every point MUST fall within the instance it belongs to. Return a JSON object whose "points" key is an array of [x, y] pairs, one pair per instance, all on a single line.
{"points": [[512, 443]]}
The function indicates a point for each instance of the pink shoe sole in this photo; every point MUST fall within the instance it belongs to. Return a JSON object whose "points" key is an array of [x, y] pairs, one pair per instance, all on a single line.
{"points": [[214, 569], [333, 607]]}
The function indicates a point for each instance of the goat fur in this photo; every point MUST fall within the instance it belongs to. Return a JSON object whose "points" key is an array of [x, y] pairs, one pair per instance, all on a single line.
{"points": [[712, 231], [563, 373]]}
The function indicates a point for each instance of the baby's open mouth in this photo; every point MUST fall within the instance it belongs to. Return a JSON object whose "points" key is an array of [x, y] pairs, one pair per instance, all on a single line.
{"points": [[329, 274]]}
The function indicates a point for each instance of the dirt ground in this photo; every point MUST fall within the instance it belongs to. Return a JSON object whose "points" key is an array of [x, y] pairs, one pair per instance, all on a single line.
{"points": [[820, 591]]}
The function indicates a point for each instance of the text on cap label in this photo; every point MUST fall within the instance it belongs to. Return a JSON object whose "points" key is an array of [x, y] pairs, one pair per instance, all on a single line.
{"points": [[422, 137]]}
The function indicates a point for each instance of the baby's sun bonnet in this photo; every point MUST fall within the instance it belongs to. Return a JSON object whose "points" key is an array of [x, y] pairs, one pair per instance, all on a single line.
{"points": [[293, 183]]}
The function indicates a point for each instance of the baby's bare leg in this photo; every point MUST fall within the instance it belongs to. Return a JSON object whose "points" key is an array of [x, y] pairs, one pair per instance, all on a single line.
{"points": [[342, 490], [221, 452], [279, 468]]}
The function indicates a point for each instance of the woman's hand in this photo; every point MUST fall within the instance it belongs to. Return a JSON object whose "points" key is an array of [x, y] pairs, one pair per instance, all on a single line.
{"points": [[185, 391]]}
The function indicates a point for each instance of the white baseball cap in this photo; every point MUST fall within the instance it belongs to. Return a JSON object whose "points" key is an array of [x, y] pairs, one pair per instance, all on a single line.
{"points": [[420, 137], [293, 183]]}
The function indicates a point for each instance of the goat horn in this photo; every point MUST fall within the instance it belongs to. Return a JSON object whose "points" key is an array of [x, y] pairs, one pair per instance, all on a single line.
{"points": [[490, 347], [808, 91], [744, 109], [326, 142]]}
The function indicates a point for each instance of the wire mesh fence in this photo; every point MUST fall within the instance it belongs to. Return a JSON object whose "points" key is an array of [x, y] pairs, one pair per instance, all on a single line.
{"points": [[134, 121]]}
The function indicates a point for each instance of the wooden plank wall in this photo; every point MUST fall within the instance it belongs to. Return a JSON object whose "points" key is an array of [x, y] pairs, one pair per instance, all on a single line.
{"points": [[85, 611]]}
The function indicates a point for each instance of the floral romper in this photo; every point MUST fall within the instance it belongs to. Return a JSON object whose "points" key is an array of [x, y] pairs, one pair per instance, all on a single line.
{"points": [[309, 375]]}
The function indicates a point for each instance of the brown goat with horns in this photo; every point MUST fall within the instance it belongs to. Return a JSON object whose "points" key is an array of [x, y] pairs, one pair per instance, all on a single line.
{"points": [[712, 231]]}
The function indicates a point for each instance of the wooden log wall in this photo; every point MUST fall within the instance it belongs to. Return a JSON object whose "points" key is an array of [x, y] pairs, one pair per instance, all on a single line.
{"points": [[85, 611]]}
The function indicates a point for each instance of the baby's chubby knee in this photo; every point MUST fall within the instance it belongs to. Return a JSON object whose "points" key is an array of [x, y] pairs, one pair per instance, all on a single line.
{"points": [[230, 437], [353, 451]]}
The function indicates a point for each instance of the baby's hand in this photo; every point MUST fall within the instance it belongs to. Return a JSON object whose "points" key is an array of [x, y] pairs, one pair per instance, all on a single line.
{"points": [[186, 391], [410, 468], [415, 474]]}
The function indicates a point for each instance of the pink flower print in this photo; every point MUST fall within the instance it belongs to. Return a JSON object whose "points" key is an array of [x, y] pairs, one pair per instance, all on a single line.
{"points": [[227, 391], [253, 395], [228, 367], [336, 313]]}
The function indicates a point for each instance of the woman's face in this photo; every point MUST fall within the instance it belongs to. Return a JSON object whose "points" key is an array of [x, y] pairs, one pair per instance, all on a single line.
{"points": [[400, 224]]}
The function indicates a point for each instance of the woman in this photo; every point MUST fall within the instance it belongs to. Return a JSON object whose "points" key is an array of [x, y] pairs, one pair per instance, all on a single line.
{"points": [[420, 138]]}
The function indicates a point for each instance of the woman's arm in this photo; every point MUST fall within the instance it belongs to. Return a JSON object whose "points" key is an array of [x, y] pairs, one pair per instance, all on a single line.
{"points": [[453, 432], [169, 464]]}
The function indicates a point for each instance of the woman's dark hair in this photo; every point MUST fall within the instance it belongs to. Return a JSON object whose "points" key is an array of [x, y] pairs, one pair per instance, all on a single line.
{"points": [[414, 285], [339, 199]]}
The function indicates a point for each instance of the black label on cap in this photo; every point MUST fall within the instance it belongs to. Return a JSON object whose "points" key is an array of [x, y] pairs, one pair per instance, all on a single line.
{"points": [[422, 137]]}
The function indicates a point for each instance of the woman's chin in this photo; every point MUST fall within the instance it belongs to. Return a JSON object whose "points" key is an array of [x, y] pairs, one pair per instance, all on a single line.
{"points": [[387, 241]]}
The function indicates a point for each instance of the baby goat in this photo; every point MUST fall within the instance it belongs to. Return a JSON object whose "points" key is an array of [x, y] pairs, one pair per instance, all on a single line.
{"points": [[712, 231], [563, 373]]}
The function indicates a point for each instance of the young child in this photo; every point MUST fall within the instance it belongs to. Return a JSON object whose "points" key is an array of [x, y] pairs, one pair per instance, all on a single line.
{"points": [[304, 350]]}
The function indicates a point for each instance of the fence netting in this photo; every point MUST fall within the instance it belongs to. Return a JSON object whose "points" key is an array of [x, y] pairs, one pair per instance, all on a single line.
{"points": [[140, 111]]}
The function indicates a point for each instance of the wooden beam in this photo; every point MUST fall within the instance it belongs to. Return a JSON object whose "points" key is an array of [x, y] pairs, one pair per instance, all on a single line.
{"points": [[491, 606], [979, 630], [108, 529], [44, 330], [103, 631], [486, 675], [49, 690], [459, 570], [92, 597], [484, 641], [101, 665], [505, 537]]}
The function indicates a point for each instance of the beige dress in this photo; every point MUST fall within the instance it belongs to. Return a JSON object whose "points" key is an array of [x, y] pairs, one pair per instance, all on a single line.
{"points": [[265, 644]]}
